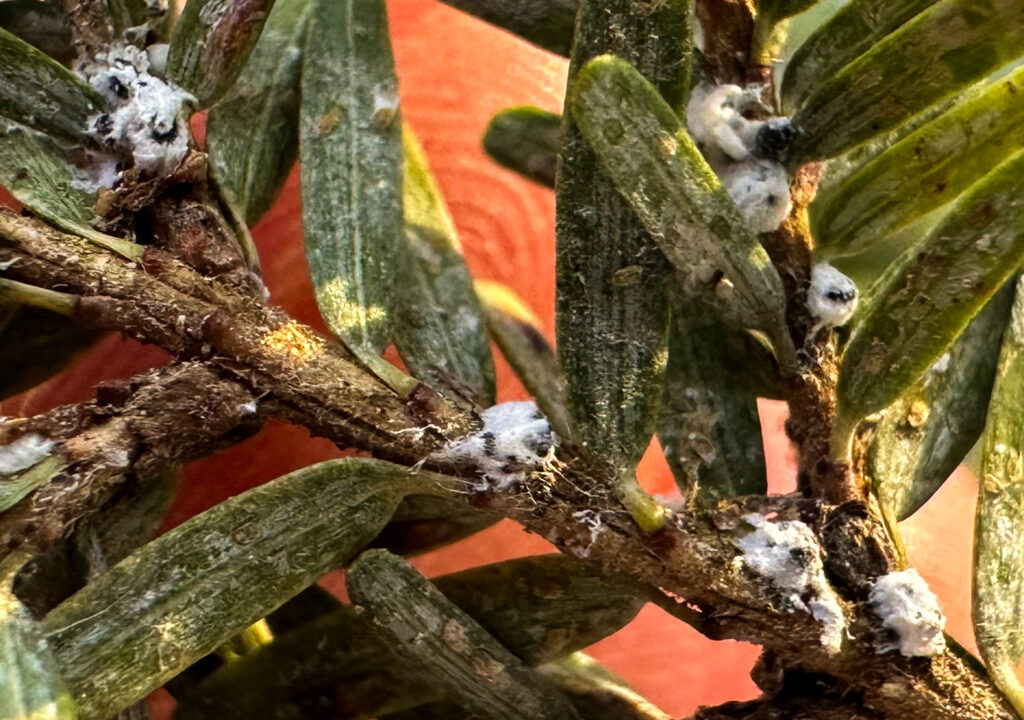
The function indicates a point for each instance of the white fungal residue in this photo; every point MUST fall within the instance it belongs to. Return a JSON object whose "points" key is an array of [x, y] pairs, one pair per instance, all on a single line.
{"points": [[264, 290], [908, 608], [745, 151], [592, 520], [831, 298], [117, 458], [825, 609], [760, 189], [673, 499], [941, 365], [514, 440], [385, 106], [147, 118], [788, 555], [23, 453], [248, 408], [938, 368]]}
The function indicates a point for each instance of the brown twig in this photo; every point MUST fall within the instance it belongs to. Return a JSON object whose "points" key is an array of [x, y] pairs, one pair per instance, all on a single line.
{"points": [[165, 302], [125, 432], [812, 392], [90, 28], [727, 48]]}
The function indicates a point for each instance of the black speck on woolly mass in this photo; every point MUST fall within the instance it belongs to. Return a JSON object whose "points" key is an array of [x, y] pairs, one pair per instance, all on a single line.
{"points": [[773, 139]]}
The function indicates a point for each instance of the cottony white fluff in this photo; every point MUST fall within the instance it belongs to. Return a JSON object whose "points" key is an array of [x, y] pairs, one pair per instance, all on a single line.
{"points": [[714, 116], [515, 439], [908, 607], [148, 117], [831, 298], [760, 189], [23, 453], [743, 152], [788, 555]]}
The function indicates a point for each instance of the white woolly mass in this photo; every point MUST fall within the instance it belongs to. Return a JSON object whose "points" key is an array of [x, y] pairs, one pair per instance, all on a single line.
{"points": [[714, 116], [23, 453], [788, 555], [831, 298], [148, 117], [738, 151], [760, 189], [515, 439], [908, 607]]}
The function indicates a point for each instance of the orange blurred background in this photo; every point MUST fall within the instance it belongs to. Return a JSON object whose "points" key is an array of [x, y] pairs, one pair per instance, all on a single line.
{"points": [[455, 73]]}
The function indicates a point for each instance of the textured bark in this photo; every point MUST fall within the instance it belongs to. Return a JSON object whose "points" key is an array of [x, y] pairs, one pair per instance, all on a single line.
{"points": [[123, 434], [810, 392], [727, 49], [819, 708], [90, 28], [306, 377]]}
